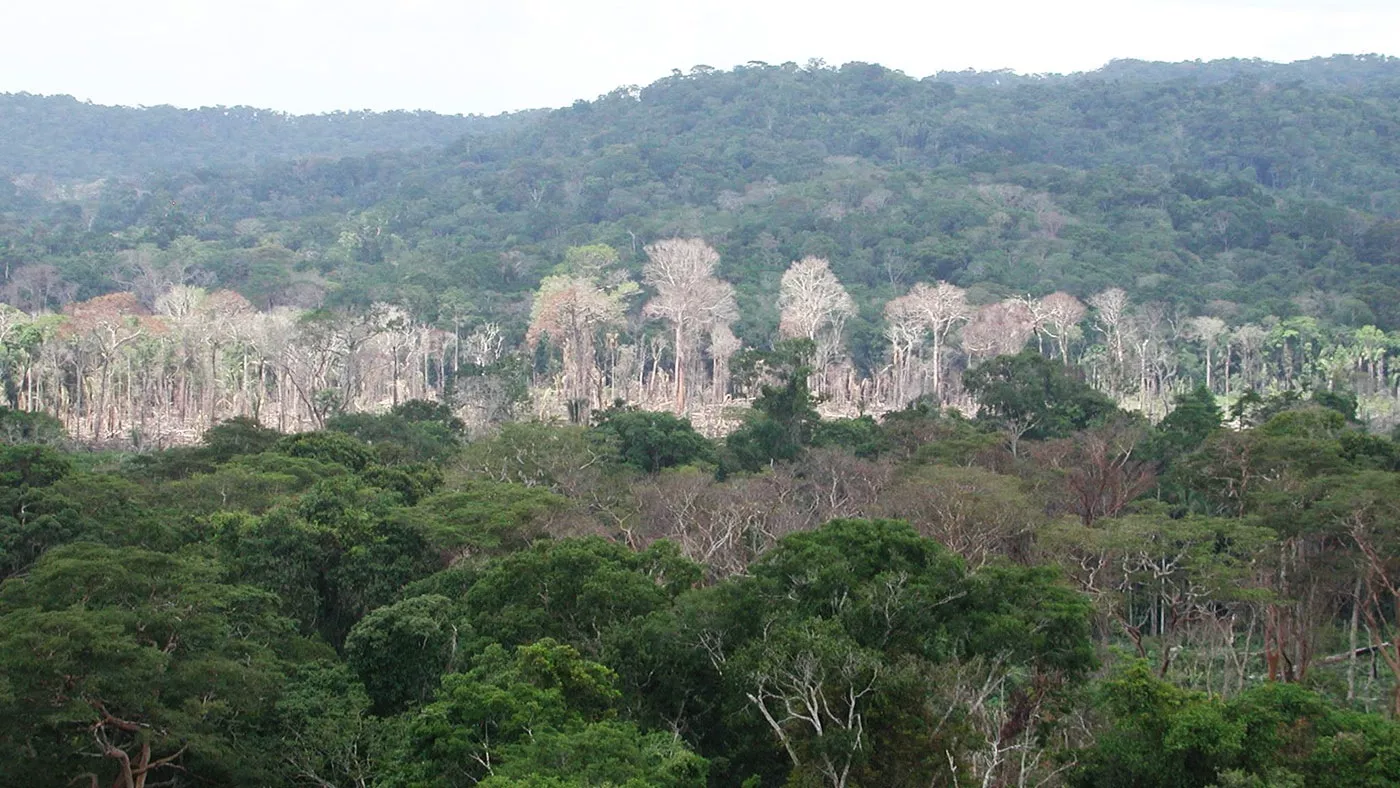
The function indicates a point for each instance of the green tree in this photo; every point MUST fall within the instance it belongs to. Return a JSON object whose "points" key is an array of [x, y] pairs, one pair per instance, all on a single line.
{"points": [[400, 651], [651, 440], [135, 666], [780, 426], [1032, 397], [538, 715]]}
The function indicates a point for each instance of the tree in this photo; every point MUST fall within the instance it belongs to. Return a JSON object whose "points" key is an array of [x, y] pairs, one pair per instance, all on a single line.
{"points": [[573, 590], [130, 667], [539, 712], [688, 296], [1110, 316], [976, 513], [1195, 415], [651, 441], [1033, 397], [813, 305], [781, 425], [998, 329], [1208, 331], [1058, 316], [938, 309], [400, 651], [904, 328], [570, 310], [814, 687], [1367, 506]]}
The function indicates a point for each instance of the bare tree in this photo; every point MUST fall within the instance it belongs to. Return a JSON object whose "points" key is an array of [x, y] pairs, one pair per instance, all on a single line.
{"points": [[568, 311], [1250, 340], [1207, 331], [814, 305], [39, 288], [689, 296], [941, 306], [1058, 316], [1110, 312], [723, 346], [998, 329], [904, 328]]}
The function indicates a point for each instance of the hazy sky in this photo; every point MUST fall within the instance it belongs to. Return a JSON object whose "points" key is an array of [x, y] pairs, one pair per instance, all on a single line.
{"points": [[473, 56]]}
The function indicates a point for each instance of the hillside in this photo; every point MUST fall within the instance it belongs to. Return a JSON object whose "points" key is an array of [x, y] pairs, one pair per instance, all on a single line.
{"points": [[1262, 189], [1261, 196]]}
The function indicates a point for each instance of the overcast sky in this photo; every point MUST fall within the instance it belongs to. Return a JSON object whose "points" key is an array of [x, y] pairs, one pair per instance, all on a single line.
{"points": [[488, 57]]}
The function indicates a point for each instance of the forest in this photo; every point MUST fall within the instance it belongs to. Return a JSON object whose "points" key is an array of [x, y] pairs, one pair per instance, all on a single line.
{"points": [[782, 425]]}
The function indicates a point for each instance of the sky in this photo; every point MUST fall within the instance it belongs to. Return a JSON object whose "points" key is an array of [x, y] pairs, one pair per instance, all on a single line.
{"points": [[470, 56]]}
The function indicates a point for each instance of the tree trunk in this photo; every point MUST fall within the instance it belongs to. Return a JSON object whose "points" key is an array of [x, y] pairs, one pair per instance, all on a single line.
{"points": [[680, 368]]}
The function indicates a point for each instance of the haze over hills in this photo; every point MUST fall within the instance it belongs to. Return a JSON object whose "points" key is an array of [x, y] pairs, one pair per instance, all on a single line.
{"points": [[58, 136]]}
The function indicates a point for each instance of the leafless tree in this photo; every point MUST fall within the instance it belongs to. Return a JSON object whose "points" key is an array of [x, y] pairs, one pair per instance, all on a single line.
{"points": [[998, 329], [1058, 316], [904, 328], [568, 311], [814, 305], [1110, 314], [688, 296], [941, 307], [1207, 331]]}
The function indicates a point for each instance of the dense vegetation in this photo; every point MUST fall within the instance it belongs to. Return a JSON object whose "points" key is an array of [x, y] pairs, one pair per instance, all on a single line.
{"points": [[56, 140], [1242, 218], [778, 426], [911, 602]]}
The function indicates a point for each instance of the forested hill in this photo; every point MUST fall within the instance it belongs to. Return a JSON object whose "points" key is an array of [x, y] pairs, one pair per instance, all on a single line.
{"points": [[62, 138], [1264, 197], [1235, 181]]}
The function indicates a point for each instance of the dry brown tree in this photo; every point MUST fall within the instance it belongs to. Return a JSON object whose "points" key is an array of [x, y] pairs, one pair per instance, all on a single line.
{"points": [[567, 312]]}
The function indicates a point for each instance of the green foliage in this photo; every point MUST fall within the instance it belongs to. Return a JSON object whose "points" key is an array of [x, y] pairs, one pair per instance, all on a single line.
{"points": [[334, 557], [108, 649], [482, 517], [235, 437], [414, 432], [1276, 734], [31, 466], [650, 440], [17, 426], [540, 715], [779, 428], [229, 439], [560, 458], [856, 617], [401, 650], [1035, 397], [928, 435], [1195, 415], [861, 436], [573, 590], [332, 447], [326, 731]]}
